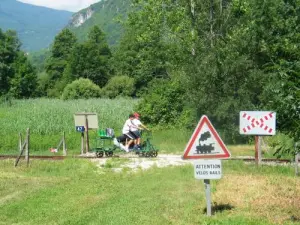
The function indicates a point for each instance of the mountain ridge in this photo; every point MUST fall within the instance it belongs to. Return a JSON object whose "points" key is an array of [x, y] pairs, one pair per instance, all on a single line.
{"points": [[103, 14], [36, 25]]}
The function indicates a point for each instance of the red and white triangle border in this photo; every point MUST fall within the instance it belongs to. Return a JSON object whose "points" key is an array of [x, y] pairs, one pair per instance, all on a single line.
{"points": [[223, 155]]}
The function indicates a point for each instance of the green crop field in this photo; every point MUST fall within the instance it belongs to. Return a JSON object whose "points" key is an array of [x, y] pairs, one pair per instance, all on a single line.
{"points": [[48, 118]]}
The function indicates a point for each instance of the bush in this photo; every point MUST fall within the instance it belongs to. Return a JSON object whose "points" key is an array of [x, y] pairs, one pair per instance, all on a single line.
{"points": [[164, 104], [119, 86], [282, 145], [81, 88]]}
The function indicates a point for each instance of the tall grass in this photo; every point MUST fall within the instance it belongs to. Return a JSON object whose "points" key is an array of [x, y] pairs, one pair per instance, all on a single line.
{"points": [[48, 118]]}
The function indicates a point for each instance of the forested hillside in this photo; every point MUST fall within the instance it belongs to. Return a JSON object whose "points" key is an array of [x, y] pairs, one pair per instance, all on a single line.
{"points": [[107, 14], [185, 59], [36, 26]]}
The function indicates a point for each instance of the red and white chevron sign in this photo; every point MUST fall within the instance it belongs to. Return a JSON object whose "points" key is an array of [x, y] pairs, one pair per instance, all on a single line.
{"points": [[257, 123]]}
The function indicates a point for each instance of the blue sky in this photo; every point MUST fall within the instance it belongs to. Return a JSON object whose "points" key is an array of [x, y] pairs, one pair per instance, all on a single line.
{"points": [[70, 5]]}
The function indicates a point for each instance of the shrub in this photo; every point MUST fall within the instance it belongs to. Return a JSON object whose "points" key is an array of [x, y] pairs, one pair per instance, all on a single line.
{"points": [[164, 104], [81, 88], [282, 145], [119, 86]]}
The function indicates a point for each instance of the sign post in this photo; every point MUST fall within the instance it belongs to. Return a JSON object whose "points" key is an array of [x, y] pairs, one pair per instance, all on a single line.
{"points": [[258, 123], [258, 157], [208, 198], [206, 145], [207, 170], [84, 122]]}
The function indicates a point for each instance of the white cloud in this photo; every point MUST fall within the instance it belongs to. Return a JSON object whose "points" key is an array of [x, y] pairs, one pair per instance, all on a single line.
{"points": [[70, 5]]}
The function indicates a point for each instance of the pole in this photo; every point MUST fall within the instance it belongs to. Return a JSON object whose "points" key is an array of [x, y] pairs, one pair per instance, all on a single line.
{"points": [[87, 147], [257, 150], [27, 147], [22, 149], [20, 142], [64, 145], [82, 143], [207, 194]]}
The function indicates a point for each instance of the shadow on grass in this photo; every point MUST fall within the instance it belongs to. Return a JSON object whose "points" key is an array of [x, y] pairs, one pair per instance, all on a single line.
{"points": [[219, 208], [295, 219]]}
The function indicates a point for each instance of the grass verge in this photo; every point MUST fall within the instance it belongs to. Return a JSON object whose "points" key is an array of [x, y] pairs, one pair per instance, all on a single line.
{"points": [[78, 192]]}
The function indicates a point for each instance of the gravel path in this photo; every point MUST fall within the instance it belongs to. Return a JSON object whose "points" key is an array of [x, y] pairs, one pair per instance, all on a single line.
{"points": [[136, 163]]}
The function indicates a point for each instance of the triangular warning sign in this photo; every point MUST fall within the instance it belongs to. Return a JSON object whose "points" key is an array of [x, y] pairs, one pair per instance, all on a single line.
{"points": [[205, 143]]}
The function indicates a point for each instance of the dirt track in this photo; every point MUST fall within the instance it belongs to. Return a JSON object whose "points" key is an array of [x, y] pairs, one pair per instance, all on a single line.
{"points": [[135, 163], [163, 160]]}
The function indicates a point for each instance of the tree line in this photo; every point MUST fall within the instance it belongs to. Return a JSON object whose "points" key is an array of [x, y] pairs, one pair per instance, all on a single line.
{"points": [[185, 58], [215, 57]]}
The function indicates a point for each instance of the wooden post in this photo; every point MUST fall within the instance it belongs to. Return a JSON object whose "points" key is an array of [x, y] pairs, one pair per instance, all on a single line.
{"points": [[87, 147], [24, 146], [257, 150], [27, 146], [82, 143], [20, 142], [64, 145], [22, 149], [207, 194]]}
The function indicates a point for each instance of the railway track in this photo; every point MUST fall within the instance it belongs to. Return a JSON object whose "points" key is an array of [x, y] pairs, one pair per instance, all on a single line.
{"points": [[249, 159]]}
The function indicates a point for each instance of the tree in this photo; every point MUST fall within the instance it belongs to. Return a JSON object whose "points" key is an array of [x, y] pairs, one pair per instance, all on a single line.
{"points": [[91, 59], [58, 61], [156, 39], [9, 48], [24, 82], [275, 28], [17, 75], [228, 56]]}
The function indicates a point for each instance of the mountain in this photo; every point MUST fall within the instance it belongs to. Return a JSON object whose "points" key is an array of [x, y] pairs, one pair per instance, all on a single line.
{"points": [[35, 25], [104, 14]]}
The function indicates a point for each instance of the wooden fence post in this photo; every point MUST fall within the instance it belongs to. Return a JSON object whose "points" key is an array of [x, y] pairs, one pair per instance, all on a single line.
{"points": [[64, 145], [22, 147], [27, 146], [20, 142]]}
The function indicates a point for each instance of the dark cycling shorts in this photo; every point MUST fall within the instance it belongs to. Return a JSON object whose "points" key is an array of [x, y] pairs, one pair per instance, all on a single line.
{"points": [[137, 133], [131, 135]]}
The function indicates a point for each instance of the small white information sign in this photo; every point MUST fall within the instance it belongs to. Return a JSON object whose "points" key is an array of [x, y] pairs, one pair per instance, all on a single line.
{"points": [[208, 169], [90, 118]]}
